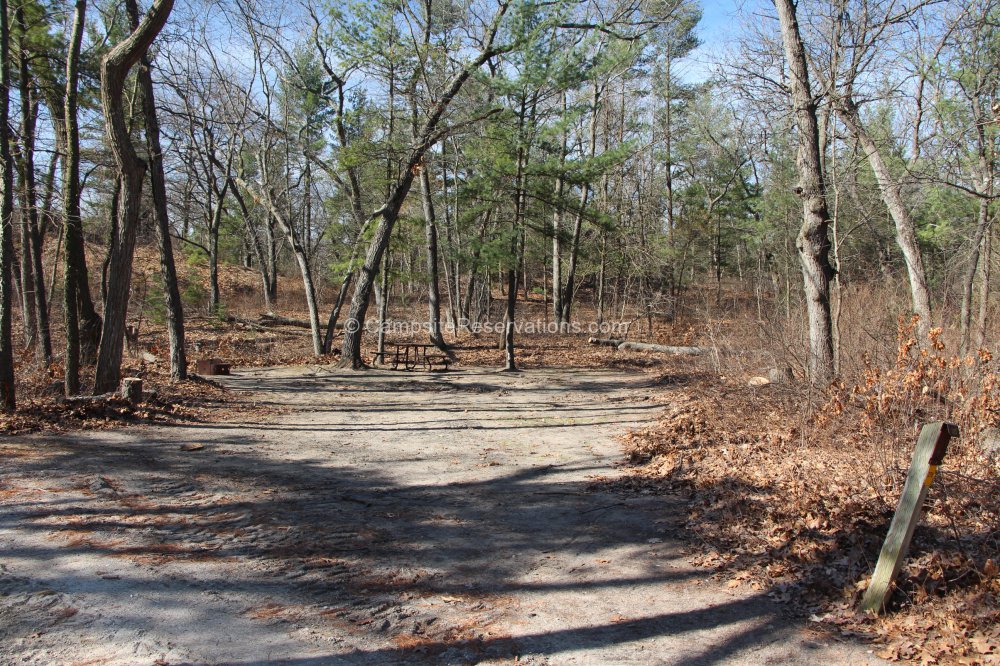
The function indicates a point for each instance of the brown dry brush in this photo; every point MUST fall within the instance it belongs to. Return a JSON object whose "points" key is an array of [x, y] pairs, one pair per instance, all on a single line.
{"points": [[42, 407], [797, 500]]}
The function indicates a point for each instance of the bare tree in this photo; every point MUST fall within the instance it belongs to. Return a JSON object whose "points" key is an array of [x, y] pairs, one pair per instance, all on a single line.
{"points": [[861, 30], [168, 271], [198, 110], [965, 70], [813, 242], [433, 281], [273, 184], [132, 170]]}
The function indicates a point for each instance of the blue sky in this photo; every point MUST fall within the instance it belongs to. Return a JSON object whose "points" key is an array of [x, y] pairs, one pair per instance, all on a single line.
{"points": [[720, 24]]}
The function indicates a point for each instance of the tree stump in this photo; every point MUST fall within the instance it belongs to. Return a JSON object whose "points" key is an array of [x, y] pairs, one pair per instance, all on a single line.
{"points": [[782, 375], [132, 389]]}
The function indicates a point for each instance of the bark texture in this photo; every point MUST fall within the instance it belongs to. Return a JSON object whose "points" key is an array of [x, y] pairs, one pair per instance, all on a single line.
{"points": [[813, 242], [433, 279], [132, 170], [8, 401], [74, 278], [168, 271]]}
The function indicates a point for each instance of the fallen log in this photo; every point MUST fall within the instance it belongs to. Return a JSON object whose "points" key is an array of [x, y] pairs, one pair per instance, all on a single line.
{"points": [[622, 345], [662, 349], [277, 320], [252, 325], [102, 398], [607, 342]]}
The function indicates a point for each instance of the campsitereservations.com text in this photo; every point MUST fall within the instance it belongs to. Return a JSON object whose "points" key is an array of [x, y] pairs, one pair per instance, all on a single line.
{"points": [[520, 327]]}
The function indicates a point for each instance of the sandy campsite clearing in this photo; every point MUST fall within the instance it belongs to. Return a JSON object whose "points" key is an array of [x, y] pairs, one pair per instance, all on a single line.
{"points": [[379, 517]]}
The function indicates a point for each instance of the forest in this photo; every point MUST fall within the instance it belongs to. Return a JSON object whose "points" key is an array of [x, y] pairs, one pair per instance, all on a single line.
{"points": [[785, 210], [827, 156]]}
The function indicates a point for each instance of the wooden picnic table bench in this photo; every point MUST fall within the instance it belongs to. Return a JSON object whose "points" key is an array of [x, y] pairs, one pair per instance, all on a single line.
{"points": [[412, 355]]}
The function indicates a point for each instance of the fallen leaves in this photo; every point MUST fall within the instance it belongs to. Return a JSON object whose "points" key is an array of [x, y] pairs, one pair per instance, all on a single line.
{"points": [[167, 402], [798, 506]]}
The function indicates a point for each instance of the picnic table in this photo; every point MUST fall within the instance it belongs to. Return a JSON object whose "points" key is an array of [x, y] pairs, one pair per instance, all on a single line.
{"points": [[412, 355]]}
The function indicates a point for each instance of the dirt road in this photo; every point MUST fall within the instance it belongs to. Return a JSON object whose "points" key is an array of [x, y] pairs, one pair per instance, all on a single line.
{"points": [[385, 517]]}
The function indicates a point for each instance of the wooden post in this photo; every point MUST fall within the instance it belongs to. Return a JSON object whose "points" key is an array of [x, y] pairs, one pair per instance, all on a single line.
{"points": [[927, 456], [132, 389]]}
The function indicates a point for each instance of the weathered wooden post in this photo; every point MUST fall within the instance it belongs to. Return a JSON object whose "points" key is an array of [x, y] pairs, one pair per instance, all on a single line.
{"points": [[927, 456]]}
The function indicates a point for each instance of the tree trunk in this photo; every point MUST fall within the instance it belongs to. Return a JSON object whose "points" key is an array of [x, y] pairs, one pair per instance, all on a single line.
{"points": [[354, 325], [168, 270], [29, 194], [664, 349], [892, 197], [302, 260], [57, 110], [510, 364], [574, 252], [8, 401], [345, 285], [331, 324], [307, 216], [310, 289], [453, 247], [668, 161], [214, 225], [263, 264], [55, 271], [272, 260], [114, 69], [115, 212], [601, 277], [717, 259], [557, 277], [984, 289], [983, 224], [520, 201], [48, 220], [433, 288], [568, 293], [71, 201], [29, 311], [813, 241], [969, 276], [382, 299], [470, 285], [214, 296]]}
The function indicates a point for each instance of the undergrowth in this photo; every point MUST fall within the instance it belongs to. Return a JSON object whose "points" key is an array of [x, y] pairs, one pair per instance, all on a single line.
{"points": [[794, 494]]}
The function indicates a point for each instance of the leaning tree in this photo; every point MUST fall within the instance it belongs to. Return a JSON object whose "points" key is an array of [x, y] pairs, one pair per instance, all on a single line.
{"points": [[115, 68]]}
